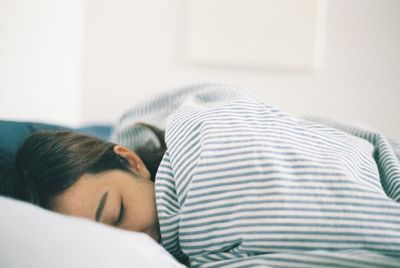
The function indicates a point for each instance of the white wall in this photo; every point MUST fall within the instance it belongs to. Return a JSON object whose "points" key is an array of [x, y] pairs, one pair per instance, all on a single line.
{"points": [[40, 60], [134, 49], [263, 34]]}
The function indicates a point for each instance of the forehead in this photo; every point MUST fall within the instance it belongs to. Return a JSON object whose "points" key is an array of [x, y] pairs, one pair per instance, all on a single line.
{"points": [[82, 198]]}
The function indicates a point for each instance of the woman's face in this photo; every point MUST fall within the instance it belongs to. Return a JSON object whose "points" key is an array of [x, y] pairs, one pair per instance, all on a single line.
{"points": [[115, 198]]}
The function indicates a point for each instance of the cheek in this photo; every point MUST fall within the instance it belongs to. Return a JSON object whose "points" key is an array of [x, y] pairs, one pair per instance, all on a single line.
{"points": [[141, 214]]}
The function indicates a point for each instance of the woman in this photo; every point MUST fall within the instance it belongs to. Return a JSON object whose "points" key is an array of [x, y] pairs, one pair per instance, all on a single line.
{"points": [[79, 175], [240, 182]]}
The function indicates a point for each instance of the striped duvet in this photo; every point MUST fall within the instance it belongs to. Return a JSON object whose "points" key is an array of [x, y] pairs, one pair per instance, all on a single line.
{"points": [[243, 184]]}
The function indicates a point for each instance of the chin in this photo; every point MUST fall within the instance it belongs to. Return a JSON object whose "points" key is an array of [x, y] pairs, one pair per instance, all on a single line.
{"points": [[155, 234], [156, 237]]}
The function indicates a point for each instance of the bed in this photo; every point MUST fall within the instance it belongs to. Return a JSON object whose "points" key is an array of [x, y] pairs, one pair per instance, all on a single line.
{"points": [[320, 207]]}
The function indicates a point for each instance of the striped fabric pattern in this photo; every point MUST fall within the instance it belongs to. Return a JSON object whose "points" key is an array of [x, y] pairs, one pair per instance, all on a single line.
{"points": [[129, 132], [243, 184]]}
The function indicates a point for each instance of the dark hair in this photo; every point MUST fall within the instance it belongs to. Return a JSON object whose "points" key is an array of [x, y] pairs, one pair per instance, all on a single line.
{"points": [[50, 162], [152, 155]]}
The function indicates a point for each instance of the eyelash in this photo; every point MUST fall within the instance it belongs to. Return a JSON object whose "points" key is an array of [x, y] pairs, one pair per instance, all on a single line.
{"points": [[121, 215]]}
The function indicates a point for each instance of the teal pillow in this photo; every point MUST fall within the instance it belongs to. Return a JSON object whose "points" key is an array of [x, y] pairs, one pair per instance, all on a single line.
{"points": [[12, 135]]}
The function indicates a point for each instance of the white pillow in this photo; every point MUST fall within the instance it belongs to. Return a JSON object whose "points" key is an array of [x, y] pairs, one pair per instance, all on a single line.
{"points": [[33, 237]]}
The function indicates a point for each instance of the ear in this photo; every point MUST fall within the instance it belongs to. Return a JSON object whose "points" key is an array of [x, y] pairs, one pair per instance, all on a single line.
{"points": [[133, 159]]}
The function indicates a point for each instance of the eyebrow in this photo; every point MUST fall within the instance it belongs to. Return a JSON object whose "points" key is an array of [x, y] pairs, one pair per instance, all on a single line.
{"points": [[101, 205]]}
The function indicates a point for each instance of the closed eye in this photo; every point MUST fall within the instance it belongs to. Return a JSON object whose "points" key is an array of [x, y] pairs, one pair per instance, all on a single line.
{"points": [[121, 215]]}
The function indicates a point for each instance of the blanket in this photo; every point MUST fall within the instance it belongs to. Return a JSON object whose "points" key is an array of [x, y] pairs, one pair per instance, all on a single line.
{"points": [[243, 184]]}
